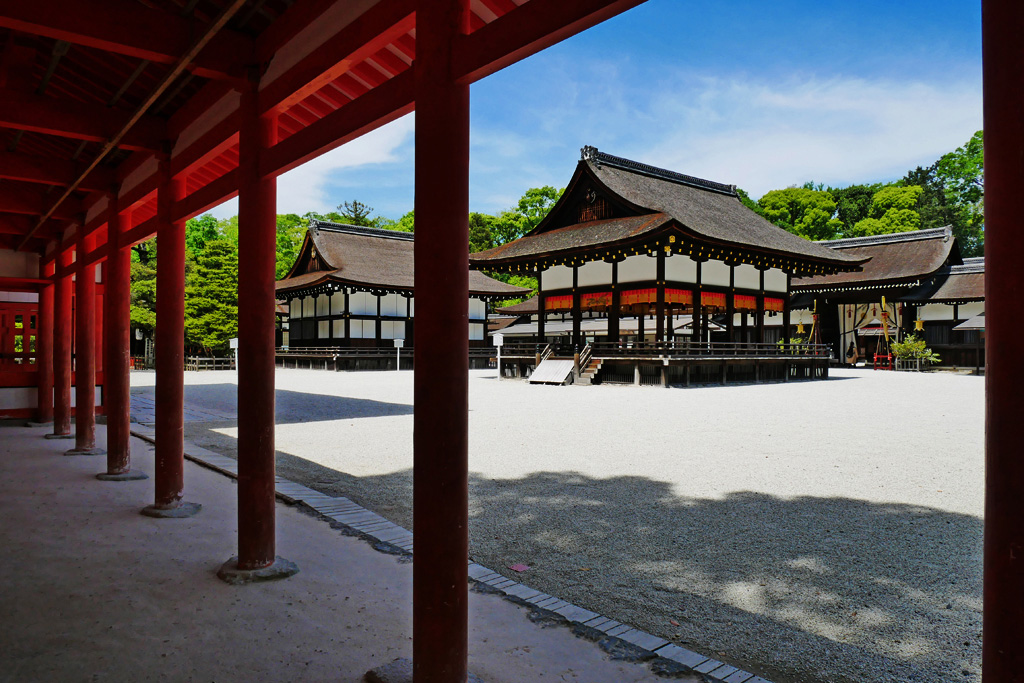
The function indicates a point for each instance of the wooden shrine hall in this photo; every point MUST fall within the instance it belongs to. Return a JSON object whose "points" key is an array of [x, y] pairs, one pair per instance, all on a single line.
{"points": [[351, 292], [630, 239], [120, 120]]}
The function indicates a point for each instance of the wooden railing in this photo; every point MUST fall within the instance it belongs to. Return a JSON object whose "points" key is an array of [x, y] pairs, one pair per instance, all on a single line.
{"points": [[692, 349], [202, 363]]}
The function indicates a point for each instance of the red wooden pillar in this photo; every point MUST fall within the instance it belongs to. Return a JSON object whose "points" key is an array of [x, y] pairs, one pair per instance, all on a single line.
{"points": [[257, 251], [1003, 60], [62, 348], [169, 451], [116, 351], [441, 393], [85, 349], [44, 352]]}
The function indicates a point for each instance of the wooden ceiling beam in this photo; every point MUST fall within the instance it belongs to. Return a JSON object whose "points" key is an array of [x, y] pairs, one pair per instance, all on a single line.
{"points": [[526, 30], [129, 28], [79, 120], [49, 171], [27, 200]]}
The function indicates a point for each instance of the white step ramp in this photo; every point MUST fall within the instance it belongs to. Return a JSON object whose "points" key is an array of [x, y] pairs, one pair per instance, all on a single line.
{"points": [[552, 371]]}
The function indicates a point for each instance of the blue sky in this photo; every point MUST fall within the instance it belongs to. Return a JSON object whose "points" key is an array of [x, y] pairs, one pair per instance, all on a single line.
{"points": [[762, 95]]}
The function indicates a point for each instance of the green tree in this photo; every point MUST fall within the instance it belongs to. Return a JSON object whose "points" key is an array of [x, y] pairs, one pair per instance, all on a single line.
{"points": [[291, 229], [893, 209], [802, 211], [962, 176], [481, 235], [211, 298], [357, 213], [404, 224], [853, 204], [143, 293], [531, 209], [199, 231], [747, 201]]}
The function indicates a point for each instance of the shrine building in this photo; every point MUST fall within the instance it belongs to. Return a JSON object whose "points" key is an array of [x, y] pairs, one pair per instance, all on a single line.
{"points": [[928, 289], [630, 241], [351, 287]]}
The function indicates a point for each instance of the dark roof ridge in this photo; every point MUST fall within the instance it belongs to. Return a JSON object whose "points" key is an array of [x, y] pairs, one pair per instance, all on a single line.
{"points": [[328, 226], [974, 264], [890, 238], [590, 153]]}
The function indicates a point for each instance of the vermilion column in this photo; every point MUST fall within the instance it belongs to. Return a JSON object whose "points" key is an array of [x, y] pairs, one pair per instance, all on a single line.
{"points": [[85, 349], [116, 351], [44, 352], [169, 469], [1003, 59], [257, 251], [62, 348], [441, 394]]}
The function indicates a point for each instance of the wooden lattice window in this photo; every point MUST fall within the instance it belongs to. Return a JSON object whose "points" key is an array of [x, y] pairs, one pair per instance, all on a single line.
{"points": [[594, 210]]}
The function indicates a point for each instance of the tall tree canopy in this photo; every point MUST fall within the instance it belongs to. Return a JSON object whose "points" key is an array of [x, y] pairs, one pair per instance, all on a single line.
{"points": [[531, 209], [802, 211], [211, 298]]}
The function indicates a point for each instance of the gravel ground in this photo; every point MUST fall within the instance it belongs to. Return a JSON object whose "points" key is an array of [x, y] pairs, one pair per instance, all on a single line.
{"points": [[813, 531]]}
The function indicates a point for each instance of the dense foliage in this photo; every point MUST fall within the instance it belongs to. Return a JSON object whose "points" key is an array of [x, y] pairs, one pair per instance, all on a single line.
{"points": [[949, 192]]}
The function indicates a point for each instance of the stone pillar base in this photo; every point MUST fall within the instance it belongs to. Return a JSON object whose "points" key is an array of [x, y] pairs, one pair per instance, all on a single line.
{"points": [[179, 511], [280, 569], [130, 475], [85, 451]]}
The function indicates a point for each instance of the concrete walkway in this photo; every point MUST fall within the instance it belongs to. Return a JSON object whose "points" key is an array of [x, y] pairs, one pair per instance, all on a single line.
{"points": [[94, 591]]}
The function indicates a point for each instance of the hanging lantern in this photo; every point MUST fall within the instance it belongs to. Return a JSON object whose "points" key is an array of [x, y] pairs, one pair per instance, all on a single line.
{"points": [[919, 326], [799, 328]]}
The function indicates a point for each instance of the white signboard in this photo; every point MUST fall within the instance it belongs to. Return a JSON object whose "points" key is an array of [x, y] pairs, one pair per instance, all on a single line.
{"points": [[499, 339], [233, 342], [399, 343]]}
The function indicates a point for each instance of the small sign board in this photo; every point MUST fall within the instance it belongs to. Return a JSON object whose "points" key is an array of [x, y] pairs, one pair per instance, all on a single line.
{"points": [[499, 339], [233, 342], [399, 343]]}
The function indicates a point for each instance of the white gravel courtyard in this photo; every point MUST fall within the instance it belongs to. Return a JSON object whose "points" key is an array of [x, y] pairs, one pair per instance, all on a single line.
{"points": [[811, 531]]}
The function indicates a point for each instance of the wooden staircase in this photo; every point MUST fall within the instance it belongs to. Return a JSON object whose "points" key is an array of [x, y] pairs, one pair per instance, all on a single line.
{"points": [[590, 371]]}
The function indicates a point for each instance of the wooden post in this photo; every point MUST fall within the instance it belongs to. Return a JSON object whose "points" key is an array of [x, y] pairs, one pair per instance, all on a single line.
{"points": [[116, 351], [730, 306], [614, 312], [169, 470], [760, 310], [441, 403], [85, 349], [540, 307], [1003, 60], [62, 326], [257, 251], [659, 305], [698, 305], [577, 312], [44, 353]]}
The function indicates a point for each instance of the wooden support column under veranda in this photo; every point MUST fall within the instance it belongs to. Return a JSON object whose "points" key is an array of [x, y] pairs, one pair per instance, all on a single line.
{"points": [[44, 350], [257, 217], [116, 351], [441, 385], [1003, 59], [62, 347], [169, 453], [85, 348]]}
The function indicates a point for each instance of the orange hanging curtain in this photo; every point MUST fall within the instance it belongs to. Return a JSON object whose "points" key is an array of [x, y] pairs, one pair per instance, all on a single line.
{"points": [[712, 299], [638, 296], [595, 299], [562, 302], [772, 304], [744, 302], [678, 296]]}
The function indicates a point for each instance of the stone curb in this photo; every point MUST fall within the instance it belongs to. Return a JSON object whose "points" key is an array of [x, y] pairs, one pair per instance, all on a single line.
{"points": [[377, 529]]}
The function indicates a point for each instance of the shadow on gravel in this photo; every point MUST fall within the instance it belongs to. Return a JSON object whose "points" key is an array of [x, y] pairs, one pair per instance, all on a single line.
{"points": [[802, 589], [291, 406]]}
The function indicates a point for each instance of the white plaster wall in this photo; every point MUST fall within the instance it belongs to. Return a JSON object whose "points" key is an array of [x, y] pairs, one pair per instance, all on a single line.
{"points": [[18, 263], [680, 268], [338, 329], [323, 304], [714, 273], [20, 297], [972, 309], [595, 273], [15, 398], [476, 331], [308, 307], [362, 303], [638, 269], [389, 305], [774, 280], [557, 277], [935, 312], [477, 309], [747, 277], [337, 303], [295, 308]]}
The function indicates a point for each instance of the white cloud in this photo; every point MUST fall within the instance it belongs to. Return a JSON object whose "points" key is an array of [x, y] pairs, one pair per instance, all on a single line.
{"points": [[762, 135], [307, 188]]}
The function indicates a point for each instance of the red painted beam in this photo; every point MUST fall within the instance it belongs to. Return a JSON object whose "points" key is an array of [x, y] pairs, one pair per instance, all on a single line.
{"points": [[30, 200], [381, 105], [23, 284], [293, 21], [527, 30], [220, 190], [129, 28], [371, 31], [207, 147], [79, 120], [52, 171]]}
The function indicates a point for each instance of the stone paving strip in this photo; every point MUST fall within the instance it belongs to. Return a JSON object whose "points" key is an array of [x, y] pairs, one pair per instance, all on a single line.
{"points": [[379, 529]]}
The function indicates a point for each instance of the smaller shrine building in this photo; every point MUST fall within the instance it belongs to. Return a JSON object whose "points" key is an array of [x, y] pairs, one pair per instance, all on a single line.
{"points": [[353, 287]]}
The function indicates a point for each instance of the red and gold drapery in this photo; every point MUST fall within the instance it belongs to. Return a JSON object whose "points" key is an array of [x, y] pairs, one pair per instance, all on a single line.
{"points": [[745, 302], [712, 299], [772, 304], [561, 302]]}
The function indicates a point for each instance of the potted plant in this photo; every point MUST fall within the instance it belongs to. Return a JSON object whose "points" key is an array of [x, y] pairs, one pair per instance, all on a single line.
{"points": [[911, 353]]}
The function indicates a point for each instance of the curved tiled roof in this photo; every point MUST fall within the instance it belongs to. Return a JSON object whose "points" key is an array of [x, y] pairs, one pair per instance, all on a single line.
{"points": [[896, 258], [374, 259]]}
